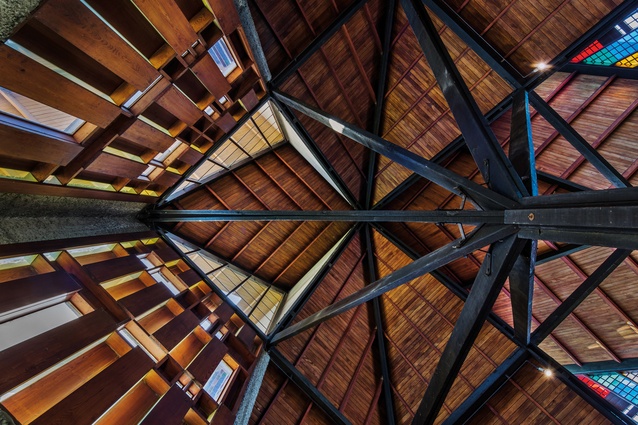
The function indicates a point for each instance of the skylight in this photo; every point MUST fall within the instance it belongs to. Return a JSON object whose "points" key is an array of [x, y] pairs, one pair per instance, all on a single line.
{"points": [[222, 57]]}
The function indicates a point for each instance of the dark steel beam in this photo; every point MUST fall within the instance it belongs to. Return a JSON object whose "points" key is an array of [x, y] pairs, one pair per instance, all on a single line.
{"points": [[562, 183], [488, 388], [521, 155], [589, 198], [314, 149], [315, 396], [603, 367], [615, 217], [444, 154], [613, 226], [437, 216], [479, 238], [384, 62], [476, 42], [496, 169], [295, 63], [578, 142], [604, 407], [534, 79], [579, 295], [561, 252], [603, 71], [487, 285], [612, 239], [312, 286], [380, 325], [451, 181], [164, 198]]}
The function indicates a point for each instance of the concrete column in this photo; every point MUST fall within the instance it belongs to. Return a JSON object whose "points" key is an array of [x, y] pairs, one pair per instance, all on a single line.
{"points": [[12, 13], [252, 390], [30, 218]]}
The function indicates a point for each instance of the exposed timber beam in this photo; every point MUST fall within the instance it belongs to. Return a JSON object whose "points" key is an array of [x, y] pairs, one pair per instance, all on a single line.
{"points": [[488, 388], [578, 142], [496, 169], [451, 181], [317, 398], [579, 295], [479, 238], [296, 62], [384, 364], [521, 154], [487, 285]]}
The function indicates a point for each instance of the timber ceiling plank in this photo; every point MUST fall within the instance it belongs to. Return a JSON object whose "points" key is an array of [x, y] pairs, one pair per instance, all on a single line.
{"points": [[278, 252], [420, 316]]}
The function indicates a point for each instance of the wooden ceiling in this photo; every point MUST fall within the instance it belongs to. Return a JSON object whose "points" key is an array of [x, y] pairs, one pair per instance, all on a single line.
{"points": [[279, 252], [341, 78]]}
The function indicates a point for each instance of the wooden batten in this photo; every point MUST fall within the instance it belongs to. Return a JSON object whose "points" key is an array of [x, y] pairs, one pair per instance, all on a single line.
{"points": [[71, 265], [144, 300], [52, 89], [91, 400], [25, 360], [189, 277], [170, 22], [176, 330], [107, 164], [82, 28], [145, 135], [180, 106], [23, 292], [114, 268], [211, 77], [207, 360], [171, 408], [25, 140], [226, 14]]}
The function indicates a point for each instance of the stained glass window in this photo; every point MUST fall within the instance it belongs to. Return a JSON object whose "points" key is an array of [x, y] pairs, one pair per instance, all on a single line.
{"points": [[617, 47]]}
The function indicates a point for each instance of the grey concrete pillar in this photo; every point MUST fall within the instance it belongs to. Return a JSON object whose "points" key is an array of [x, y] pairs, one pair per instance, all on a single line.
{"points": [[30, 218], [252, 390]]}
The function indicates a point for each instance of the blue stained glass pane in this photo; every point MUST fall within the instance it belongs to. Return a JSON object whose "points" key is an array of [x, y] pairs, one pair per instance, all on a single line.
{"points": [[616, 51]]}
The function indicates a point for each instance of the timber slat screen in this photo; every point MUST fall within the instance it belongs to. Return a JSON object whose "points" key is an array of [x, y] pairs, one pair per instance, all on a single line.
{"points": [[117, 100], [70, 357]]}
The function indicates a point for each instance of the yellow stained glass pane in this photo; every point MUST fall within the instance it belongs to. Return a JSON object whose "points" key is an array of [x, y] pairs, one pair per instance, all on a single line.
{"points": [[8, 173], [91, 185], [629, 61]]}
